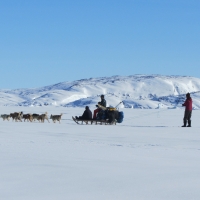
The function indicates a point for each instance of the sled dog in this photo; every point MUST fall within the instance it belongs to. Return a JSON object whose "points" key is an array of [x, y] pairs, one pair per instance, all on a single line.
{"points": [[42, 117], [4, 117], [16, 116], [56, 117], [35, 116], [27, 117]]}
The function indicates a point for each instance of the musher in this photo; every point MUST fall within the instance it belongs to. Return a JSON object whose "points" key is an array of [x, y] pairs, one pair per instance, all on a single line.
{"points": [[102, 103]]}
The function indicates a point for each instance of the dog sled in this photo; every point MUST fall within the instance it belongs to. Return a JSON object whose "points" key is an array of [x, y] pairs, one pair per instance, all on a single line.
{"points": [[106, 116], [91, 121]]}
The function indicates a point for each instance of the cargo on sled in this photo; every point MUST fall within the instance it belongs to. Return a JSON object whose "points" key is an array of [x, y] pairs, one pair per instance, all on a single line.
{"points": [[106, 116]]}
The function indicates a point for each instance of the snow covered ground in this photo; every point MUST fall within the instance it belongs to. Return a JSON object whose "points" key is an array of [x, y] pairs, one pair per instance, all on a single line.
{"points": [[148, 156]]}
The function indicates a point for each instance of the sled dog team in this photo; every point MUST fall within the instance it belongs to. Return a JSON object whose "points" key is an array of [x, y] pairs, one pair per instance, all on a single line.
{"points": [[19, 116]]}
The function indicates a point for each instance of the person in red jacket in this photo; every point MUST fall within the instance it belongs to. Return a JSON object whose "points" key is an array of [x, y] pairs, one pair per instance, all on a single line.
{"points": [[188, 111]]}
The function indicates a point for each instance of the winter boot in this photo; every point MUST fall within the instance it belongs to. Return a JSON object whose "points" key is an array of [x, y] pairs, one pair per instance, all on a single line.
{"points": [[184, 125], [189, 123]]}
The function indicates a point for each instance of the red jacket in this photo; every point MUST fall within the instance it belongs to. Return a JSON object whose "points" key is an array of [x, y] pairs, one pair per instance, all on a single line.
{"points": [[188, 104]]}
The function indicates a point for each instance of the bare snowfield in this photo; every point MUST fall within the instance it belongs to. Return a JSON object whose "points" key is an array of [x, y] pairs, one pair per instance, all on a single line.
{"points": [[148, 156]]}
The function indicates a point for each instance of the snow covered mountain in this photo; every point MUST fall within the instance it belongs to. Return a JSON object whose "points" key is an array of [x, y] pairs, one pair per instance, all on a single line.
{"points": [[136, 91]]}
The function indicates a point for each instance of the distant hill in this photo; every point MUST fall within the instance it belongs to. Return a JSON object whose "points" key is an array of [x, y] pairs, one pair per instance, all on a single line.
{"points": [[136, 91]]}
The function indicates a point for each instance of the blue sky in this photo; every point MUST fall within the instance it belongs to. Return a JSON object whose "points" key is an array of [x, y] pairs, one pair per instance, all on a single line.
{"points": [[45, 42]]}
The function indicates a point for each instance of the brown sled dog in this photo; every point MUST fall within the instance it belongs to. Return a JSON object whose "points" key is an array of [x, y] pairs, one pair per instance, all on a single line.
{"points": [[16, 116], [42, 117]]}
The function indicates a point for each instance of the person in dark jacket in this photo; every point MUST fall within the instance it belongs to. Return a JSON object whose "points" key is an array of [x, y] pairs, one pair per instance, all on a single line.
{"points": [[102, 103], [87, 114], [188, 111]]}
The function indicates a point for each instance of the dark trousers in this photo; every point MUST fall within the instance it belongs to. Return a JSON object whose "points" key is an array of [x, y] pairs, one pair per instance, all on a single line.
{"points": [[187, 115]]}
